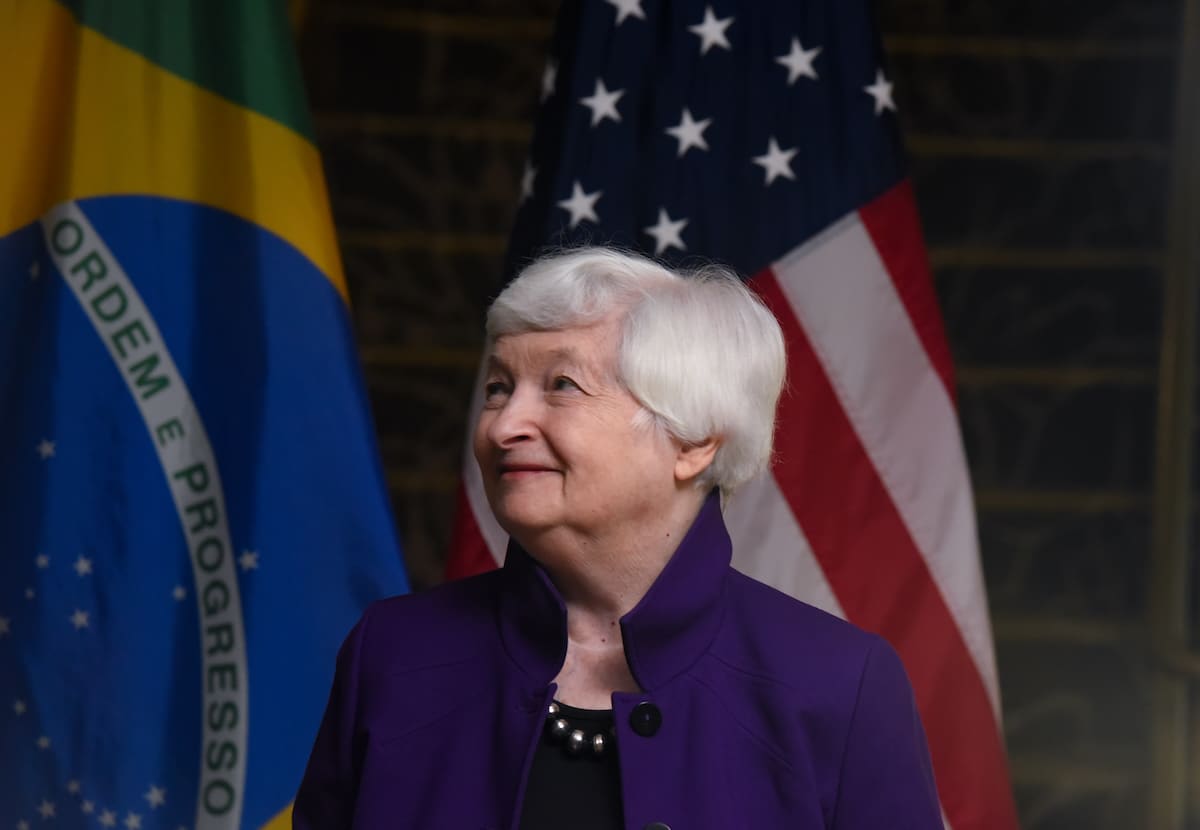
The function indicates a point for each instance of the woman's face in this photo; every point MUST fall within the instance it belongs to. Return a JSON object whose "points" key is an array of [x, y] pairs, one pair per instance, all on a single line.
{"points": [[556, 440]]}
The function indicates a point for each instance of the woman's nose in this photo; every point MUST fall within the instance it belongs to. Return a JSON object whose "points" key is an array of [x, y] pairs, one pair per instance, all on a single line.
{"points": [[515, 421]]}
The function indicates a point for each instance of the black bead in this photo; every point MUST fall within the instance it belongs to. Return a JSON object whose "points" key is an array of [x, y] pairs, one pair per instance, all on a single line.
{"points": [[645, 719], [656, 825]]}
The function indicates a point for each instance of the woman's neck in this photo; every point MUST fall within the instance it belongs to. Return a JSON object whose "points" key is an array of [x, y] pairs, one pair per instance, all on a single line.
{"points": [[597, 594], [601, 580]]}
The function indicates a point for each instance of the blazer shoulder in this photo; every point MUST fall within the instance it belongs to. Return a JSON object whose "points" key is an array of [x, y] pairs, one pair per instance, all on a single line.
{"points": [[444, 624], [770, 634]]}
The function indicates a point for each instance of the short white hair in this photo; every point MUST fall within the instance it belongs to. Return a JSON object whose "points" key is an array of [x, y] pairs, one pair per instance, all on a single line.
{"points": [[698, 349]]}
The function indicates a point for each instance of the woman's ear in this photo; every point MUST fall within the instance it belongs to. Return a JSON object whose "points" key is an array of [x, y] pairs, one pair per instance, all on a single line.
{"points": [[694, 459]]}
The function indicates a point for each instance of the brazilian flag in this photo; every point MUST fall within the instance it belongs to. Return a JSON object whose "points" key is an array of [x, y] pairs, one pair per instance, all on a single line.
{"points": [[192, 510]]}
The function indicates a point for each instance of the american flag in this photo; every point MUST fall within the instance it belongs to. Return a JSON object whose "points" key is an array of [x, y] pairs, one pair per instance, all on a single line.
{"points": [[763, 135]]}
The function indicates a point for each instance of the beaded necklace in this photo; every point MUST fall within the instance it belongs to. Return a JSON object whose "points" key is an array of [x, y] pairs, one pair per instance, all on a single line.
{"points": [[576, 741]]}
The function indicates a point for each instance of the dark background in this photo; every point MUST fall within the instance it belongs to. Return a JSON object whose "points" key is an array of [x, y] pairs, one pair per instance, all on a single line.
{"points": [[1044, 146]]}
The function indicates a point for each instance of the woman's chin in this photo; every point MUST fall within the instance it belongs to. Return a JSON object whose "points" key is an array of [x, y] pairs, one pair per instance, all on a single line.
{"points": [[521, 519]]}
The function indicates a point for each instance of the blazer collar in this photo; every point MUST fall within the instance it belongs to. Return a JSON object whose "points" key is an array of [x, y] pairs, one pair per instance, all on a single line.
{"points": [[664, 634]]}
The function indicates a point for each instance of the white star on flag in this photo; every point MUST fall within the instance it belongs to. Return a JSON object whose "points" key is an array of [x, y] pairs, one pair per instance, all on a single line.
{"points": [[5, 622], [180, 593], [881, 91], [29, 593], [549, 79], [46, 809], [87, 807], [689, 132], [666, 232], [45, 449], [79, 619], [581, 205], [627, 8], [42, 561], [43, 742], [711, 31], [157, 796], [527, 178], [133, 821], [83, 566], [776, 162], [603, 103], [249, 560], [19, 707], [108, 818], [73, 786], [22, 825], [799, 61]]}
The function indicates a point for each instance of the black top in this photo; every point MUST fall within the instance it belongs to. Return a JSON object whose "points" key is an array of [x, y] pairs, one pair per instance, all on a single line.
{"points": [[579, 791]]}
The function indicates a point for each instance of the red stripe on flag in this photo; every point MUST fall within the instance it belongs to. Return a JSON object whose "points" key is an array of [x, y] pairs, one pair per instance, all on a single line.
{"points": [[894, 227], [881, 579], [469, 554]]}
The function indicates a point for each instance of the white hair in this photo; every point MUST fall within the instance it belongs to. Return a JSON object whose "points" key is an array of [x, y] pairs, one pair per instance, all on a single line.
{"points": [[698, 350]]}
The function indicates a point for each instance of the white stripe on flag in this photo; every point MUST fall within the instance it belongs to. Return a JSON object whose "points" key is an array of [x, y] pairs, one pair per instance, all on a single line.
{"points": [[843, 296], [493, 535], [769, 545]]}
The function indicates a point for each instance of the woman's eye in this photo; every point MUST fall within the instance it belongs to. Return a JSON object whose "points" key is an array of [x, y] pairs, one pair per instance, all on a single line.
{"points": [[493, 388], [563, 383]]}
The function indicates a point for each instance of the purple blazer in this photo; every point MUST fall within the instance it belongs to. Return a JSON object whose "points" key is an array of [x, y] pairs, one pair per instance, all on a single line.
{"points": [[758, 712]]}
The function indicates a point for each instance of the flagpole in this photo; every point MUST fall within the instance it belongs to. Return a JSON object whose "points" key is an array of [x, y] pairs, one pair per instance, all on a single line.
{"points": [[1168, 587]]}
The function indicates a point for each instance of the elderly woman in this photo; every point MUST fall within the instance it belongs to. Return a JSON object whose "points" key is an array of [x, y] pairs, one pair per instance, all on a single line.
{"points": [[616, 672]]}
